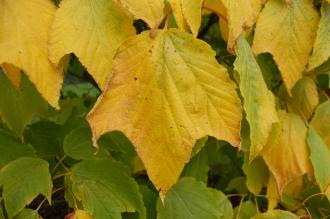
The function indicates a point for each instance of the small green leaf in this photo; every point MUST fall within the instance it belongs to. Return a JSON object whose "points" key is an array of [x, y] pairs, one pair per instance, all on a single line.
{"points": [[256, 174], [246, 211], [105, 189], [276, 214], [190, 199], [223, 204], [11, 149], [22, 181], [198, 167], [27, 214], [320, 157]]}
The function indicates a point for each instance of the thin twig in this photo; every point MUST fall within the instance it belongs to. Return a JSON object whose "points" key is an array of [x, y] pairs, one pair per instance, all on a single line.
{"points": [[59, 162], [59, 175]]}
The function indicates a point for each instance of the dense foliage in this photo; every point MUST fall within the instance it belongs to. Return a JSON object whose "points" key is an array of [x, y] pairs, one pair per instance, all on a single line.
{"points": [[176, 109]]}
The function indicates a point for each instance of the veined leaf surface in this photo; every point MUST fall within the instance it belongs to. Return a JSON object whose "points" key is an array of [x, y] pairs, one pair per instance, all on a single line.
{"points": [[166, 92], [93, 31], [287, 31], [259, 103], [23, 43]]}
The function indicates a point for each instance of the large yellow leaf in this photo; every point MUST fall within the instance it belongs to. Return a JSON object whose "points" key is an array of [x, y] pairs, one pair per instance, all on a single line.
{"points": [[177, 10], [151, 11], [93, 30], [288, 33], [259, 103], [321, 51], [321, 122], [166, 92], [241, 16], [24, 27], [287, 157], [13, 74]]}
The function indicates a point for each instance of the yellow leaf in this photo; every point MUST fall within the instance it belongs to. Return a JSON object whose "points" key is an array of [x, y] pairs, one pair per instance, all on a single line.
{"points": [[321, 51], [272, 195], [176, 6], [321, 122], [241, 17], [166, 92], [192, 11], [24, 27], [80, 214], [259, 103], [13, 74], [287, 158], [93, 30], [151, 11], [288, 33]]}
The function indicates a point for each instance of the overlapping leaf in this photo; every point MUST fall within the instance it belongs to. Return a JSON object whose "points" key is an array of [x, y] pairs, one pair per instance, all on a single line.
{"points": [[321, 122], [287, 156], [321, 50], [24, 27], [259, 103], [166, 92], [151, 11], [13, 74], [92, 30], [27, 178], [287, 31]]}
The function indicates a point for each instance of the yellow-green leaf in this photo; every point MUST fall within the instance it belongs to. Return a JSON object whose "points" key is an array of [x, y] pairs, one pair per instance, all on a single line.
{"points": [[288, 33], [321, 50], [151, 11], [320, 157], [93, 31], [321, 122], [259, 103], [166, 92], [192, 11], [24, 27], [241, 16], [80, 214], [287, 157]]}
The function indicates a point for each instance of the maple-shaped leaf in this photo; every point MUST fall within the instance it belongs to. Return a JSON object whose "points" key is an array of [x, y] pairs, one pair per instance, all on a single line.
{"points": [[151, 11], [24, 27], [241, 16], [22, 181], [167, 90], [287, 31], [321, 50], [259, 103], [92, 30], [287, 155]]}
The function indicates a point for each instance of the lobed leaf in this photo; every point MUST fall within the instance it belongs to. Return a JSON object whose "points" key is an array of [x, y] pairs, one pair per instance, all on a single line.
{"points": [[166, 92]]}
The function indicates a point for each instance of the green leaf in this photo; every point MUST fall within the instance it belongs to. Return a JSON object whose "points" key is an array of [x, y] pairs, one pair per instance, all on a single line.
{"points": [[105, 189], [190, 199], [320, 157], [27, 214], [276, 214], [223, 204], [246, 211], [44, 137], [22, 181], [18, 107], [321, 122], [11, 149], [259, 103], [149, 199], [78, 144], [198, 167], [256, 174]]}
